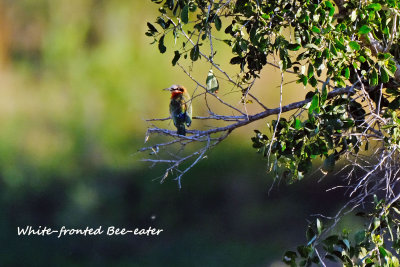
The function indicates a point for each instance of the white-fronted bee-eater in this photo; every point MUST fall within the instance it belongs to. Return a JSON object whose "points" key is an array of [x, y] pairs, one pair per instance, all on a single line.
{"points": [[180, 108]]}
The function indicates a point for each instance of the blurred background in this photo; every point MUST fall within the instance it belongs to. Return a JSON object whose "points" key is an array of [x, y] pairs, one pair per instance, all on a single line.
{"points": [[78, 78]]}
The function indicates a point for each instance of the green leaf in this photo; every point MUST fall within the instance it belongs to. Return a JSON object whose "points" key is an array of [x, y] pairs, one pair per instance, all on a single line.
{"points": [[290, 257], [253, 35], [185, 14], [391, 67], [160, 21], [236, 60], [212, 82], [243, 45], [383, 251], [303, 251], [315, 29], [176, 58], [373, 79], [384, 56], [364, 29], [324, 91], [331, 8], [340, 44], [303, 79], [265, 16], [304, 166], [361, 59], [377, 223], [359, 237], [314, 104], [328, 4], [347, 72], [217, 22], [313, 46], [333, 50], [151, 27], [331, 241], [170, 4], [293, 47], [310, 71], [194, 53], [384, 75], [297, 124], [313, 81], [374, 6], [192, 7], [291, 254], [162, 10], [161, 45], [354, 45], [319, 226], [329, 164]]}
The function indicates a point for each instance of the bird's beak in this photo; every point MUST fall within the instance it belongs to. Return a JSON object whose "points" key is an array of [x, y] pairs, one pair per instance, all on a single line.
{"points": [[166, 89]]}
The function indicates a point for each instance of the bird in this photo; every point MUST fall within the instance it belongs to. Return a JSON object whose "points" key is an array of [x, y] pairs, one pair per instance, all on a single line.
{"points": [[180, 108]]}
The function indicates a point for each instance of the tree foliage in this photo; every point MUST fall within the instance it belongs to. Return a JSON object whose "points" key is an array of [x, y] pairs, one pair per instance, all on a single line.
{"points": [[366, 247], [346, 51]]}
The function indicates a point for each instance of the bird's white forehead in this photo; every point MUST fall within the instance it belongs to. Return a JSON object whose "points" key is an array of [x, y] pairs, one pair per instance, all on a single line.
{"points": [[174, 86]]}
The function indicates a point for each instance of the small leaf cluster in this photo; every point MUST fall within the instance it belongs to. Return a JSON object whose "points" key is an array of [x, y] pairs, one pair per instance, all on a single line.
{"points": [[392, 129], [305, 254], [326, 134], [197, 30], [338, 47], [366, 247], [309, 36], [327, 44]]}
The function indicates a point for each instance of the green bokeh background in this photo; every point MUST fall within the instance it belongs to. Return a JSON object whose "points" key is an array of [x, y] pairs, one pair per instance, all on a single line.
{"points": [[78, 78]]}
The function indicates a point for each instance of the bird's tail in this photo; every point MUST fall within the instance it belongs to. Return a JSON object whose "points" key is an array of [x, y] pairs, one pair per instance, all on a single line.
{"points": [[181, 129]]}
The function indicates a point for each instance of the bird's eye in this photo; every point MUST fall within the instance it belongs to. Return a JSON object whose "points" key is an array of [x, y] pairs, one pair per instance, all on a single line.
{"points": [[181, 89]]}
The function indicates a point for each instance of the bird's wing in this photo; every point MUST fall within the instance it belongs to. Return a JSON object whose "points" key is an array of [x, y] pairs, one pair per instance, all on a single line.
{"points": [[188, 118]]}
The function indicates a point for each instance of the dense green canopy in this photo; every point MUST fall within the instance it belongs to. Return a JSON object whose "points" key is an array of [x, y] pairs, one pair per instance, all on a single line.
{"points": [[345, 52]]}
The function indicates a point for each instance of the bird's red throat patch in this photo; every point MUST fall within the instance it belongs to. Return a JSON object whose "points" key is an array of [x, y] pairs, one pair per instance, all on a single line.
{"points": [[175, 94]]}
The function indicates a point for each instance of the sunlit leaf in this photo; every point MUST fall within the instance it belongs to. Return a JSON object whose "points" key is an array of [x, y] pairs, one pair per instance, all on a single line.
{"points": [[347, 72], [294, 47], [354, 45], [364, 29], [384, 75], [314, 104], [374, 6], [319, 226], [212, 82], [324, 91], [297, 124], [315, 29], [373, 80]]}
